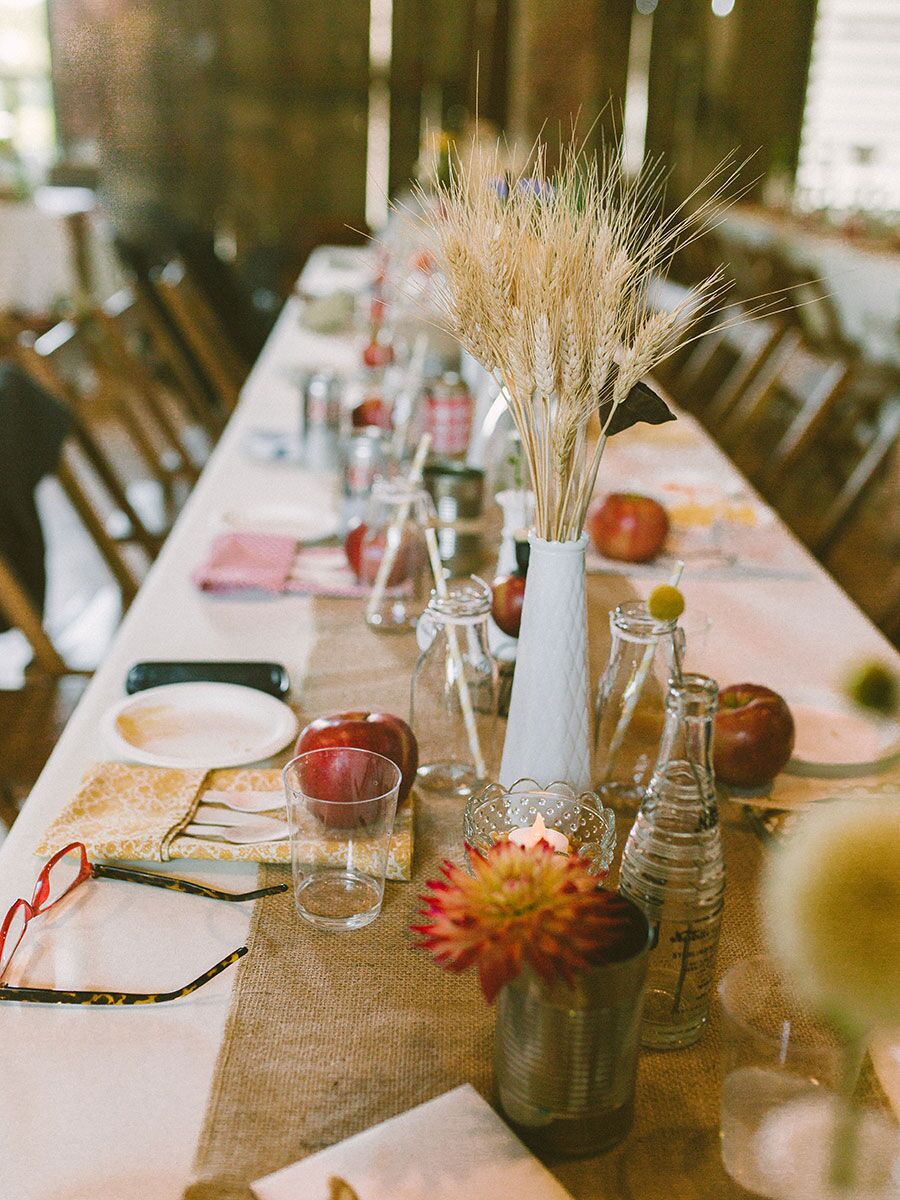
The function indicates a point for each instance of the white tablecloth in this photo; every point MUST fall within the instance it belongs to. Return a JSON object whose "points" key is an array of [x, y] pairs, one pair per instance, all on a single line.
{"points": [[864, 283], [109, 1102]]}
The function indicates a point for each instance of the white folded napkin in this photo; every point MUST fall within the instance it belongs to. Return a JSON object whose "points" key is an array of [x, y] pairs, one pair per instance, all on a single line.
{"points": [[452, 1148]]}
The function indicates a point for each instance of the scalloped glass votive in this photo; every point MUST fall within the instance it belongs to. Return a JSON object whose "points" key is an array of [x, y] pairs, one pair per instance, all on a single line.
{"points": [[588, 824]]}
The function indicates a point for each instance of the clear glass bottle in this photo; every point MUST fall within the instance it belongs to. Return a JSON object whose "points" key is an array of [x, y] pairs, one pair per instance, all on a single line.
{"points": [[453, 704], [673, 869], [394, 554], [631, 702]]}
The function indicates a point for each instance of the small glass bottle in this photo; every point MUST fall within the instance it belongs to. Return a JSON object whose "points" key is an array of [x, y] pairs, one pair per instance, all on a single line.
{"points": [[394, 554], [631, 702], [454, 690], [673, 869]]}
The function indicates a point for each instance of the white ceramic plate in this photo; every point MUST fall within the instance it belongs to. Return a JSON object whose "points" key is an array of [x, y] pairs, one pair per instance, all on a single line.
{"points": [[835, 740], [199, 725], [305, 524]]}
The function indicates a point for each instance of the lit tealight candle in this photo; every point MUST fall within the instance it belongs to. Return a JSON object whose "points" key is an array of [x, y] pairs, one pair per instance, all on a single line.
{"points": [[529, 835]]}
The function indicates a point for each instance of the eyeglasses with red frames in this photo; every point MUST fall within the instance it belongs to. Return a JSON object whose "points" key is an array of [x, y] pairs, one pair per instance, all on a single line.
{"points": [[59, 877]]}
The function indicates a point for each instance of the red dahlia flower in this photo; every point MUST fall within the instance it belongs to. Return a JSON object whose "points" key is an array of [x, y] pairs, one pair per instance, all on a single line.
{"points": [[525, 906]]}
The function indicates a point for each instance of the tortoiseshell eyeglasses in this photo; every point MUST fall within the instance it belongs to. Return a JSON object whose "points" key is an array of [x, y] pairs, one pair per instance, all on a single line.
{"points": [[59, 877]]}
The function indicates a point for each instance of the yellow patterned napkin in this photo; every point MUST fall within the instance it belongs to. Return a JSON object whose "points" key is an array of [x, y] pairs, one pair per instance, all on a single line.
{"points": [[136, 813]]}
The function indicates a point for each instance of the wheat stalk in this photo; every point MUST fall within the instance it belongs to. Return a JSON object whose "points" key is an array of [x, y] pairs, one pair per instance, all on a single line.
{"points": [[545, 282]]}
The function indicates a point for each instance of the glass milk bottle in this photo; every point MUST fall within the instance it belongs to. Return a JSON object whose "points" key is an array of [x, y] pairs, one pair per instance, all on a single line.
{"points": [[394, 555], [454, 690], [673, 869], [631, 702]]}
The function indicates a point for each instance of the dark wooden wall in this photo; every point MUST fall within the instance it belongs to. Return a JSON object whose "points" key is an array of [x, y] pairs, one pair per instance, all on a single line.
{"points": [[242, 124], [719, 84]]}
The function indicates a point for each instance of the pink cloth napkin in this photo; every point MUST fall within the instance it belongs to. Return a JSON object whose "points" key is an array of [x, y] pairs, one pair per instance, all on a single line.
{"points": [[242, 561]]}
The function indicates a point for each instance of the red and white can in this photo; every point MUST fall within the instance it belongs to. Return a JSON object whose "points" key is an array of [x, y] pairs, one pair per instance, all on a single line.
{"points": [[449, 412]]}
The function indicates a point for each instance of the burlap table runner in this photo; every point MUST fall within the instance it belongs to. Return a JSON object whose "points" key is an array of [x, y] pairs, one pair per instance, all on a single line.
{"points": [[330, 1034]]}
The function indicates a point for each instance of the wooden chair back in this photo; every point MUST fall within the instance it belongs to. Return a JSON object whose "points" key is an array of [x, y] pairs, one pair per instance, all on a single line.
{"points": [[198, 325], [87, 471], [779, 414], [121, 343], [877, 442], [145, 321], [724, 363]]}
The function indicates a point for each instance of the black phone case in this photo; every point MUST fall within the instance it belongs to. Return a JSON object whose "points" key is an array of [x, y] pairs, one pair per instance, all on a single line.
{"points": [[264, 676]]}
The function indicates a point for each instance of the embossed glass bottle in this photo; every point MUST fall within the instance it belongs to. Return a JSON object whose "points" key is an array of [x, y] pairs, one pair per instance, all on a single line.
{"points": [[673, 868]]}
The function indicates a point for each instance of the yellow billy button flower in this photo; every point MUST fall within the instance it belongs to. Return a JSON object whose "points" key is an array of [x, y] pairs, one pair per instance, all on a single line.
{"points": [[666, 603], [831, 909], [875, 686]]}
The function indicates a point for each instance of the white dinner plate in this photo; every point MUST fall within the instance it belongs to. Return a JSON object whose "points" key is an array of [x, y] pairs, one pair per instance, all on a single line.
{"points": [[199, 725], [305, 524], [836, 740]]}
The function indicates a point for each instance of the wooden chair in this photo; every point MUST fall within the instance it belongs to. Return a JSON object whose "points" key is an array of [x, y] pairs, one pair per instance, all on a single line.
{"points": [[199, 327], [174, 360], [115, 433], [777, 417], [876, 442], [724, 363], [92, 485], [121, 344]]}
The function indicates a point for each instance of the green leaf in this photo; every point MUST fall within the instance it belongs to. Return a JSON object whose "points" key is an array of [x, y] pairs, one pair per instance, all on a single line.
{"points": [[641, 404]]}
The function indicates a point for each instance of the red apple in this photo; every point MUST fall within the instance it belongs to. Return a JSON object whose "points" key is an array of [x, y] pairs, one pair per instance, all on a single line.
{"points": [[364, 554], [353, 547], [628, 527], [754, 735], [371, 411], [508, 594], [380, 732], [378, 354]]}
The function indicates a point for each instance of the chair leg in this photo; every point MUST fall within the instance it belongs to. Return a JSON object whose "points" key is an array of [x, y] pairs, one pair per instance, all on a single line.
{"points": [[9, 810], [17, 606]]}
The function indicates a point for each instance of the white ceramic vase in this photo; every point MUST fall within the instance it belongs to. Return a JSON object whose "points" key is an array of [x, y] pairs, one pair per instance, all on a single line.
{"points": [[548, 732]]}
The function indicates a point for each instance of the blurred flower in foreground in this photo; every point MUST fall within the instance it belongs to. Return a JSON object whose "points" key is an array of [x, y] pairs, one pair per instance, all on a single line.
{"points": [[874, 686], [525, 906], [831, 907]]}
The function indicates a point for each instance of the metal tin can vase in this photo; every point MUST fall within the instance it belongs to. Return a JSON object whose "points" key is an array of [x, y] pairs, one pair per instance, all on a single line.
{"points": [[565, 1056]]}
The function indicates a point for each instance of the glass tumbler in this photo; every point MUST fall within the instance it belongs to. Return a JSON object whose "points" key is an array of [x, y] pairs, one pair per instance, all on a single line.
{"points": [[394, 555], [781, 1068], [631, 702], [341, 803], [454, 690]]}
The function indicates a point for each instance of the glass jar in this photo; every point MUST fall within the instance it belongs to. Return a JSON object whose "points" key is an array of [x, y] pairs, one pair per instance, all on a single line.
{"points": [[673, 869], [454, 690], [631, 702], [394, 555]]}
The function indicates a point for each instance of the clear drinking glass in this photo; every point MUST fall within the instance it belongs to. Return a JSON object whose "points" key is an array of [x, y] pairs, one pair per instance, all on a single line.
{"points": [[454, 689], [394, 554], [781, 1066], [631, 702], [341, 803]]}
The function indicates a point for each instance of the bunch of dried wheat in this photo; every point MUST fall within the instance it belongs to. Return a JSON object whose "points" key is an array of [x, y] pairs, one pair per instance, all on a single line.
{"points": [[545, 283]]}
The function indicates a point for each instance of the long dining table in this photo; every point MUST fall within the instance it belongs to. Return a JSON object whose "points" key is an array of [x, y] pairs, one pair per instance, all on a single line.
{"points": [[110, 1101]]}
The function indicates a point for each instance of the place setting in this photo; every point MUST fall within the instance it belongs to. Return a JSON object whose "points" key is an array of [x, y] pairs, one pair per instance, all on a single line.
{"points": [[491, 788]]}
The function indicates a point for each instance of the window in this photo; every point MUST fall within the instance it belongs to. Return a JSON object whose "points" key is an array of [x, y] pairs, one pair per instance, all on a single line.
{"points": [[850, 147], [27, 128]]}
